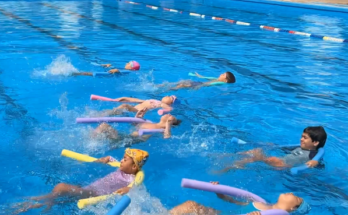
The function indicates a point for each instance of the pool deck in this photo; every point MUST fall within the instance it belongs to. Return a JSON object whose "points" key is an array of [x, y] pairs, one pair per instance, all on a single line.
{"points": [[333, 2]]}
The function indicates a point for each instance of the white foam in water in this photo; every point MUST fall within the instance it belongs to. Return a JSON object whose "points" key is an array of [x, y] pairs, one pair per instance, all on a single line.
{"points": [[197, 142], [146, 83], [61, 66]]}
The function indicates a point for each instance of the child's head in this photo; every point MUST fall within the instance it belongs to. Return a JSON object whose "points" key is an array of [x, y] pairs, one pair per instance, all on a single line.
{"points": [[133, 160], [169, 100], [290, 203], [313, 138], [167, 117], [132, 65], [227, 77]]}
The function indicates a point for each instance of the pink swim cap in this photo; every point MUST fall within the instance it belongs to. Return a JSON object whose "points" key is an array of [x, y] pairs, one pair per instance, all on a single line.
{"points": [[135, 65]]}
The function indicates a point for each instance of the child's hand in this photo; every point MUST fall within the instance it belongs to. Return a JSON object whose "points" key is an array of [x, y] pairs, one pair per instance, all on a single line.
{"points": [[255, 213], [112, 71], [123, 190], [103, 160], [312, 163], [170, 120], [141, 113], [214, 182], [106, 65]]}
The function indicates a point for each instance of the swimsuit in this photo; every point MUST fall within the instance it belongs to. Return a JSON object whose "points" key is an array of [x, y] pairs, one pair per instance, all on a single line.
{"points": [[154, 103], [299, 156], [241, 210], [111, 183]]}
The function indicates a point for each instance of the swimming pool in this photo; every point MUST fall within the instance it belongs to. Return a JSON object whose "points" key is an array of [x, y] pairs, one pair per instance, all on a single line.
{"points": [[284, 83]]}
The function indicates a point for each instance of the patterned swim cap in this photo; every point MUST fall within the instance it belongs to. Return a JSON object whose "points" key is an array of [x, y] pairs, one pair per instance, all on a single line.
{"points": [[139, 156]]}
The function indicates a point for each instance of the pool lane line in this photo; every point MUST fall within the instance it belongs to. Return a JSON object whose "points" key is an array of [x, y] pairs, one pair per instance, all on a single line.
{"points": [[111, 25], [222, 61], [225, 34], [195, 54], [264, 27], [57, 38]]}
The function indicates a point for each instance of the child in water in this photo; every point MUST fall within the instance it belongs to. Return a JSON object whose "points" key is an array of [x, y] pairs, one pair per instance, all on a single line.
{"points": [[312, 139], [226, 77], [166, 104], [117, 181], [165, 123], [286, 201], [131, 65]]}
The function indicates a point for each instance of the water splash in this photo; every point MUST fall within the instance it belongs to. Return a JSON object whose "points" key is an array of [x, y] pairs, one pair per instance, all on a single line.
{"points": [[197, 143], [61, 66], [142, 203], [145, 83]]}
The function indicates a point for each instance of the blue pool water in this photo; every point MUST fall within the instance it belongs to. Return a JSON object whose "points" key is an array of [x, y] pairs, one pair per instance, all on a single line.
{"points": [[284, 83]]}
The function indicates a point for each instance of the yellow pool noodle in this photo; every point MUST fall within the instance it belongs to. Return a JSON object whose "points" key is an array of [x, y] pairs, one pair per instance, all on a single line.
{"points": [[82, 203], [84, 158]]}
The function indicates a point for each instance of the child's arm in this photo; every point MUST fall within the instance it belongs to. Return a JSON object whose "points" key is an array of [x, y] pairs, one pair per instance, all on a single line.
{"points": [[112, 71], [106, 65], [105, 160], [123, 190], [200, 76], [228, 198], [312, 163], [165, 109], [82, 74], [167, 131], [128, 99]]}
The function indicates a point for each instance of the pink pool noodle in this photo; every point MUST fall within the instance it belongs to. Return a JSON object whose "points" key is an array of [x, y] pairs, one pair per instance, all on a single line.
{"points": [[111, 119], [163, 111], [149, 131], [101, 98]]}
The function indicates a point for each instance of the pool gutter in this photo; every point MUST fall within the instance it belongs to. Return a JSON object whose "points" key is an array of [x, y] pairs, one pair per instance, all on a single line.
{"points": [[282, 6]]}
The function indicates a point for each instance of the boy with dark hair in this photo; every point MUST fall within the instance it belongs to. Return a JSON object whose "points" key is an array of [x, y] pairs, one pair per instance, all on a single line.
{"points": [[312, 139]]}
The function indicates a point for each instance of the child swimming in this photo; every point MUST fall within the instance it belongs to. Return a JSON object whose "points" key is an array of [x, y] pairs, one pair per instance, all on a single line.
{"points": [[131, 65], [286, 201], [166, 104], [226, 77], [117, 181], [165, 123], [312, 139]]}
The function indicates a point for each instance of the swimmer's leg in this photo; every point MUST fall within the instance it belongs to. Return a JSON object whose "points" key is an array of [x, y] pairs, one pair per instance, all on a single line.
{"points": [[59, 190], [191, 207], [118, 110], [106, 129], [256, 155], [137, 139], [186, 84]]}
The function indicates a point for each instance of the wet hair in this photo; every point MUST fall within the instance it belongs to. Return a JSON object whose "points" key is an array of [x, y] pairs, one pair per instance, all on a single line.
{"points": [[317, 133], [230, 77], [177, 122]]}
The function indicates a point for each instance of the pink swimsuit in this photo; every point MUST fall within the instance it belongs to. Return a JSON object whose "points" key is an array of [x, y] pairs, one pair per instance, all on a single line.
{"points": [[155, 103], [111, 183]]}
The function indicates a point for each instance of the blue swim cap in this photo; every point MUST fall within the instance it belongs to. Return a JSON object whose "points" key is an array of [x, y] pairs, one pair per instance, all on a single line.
{"points": [[304, 208]]}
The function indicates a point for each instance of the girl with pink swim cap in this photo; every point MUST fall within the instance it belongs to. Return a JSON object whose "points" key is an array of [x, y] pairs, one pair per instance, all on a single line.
{"points": [[131, 65]]}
